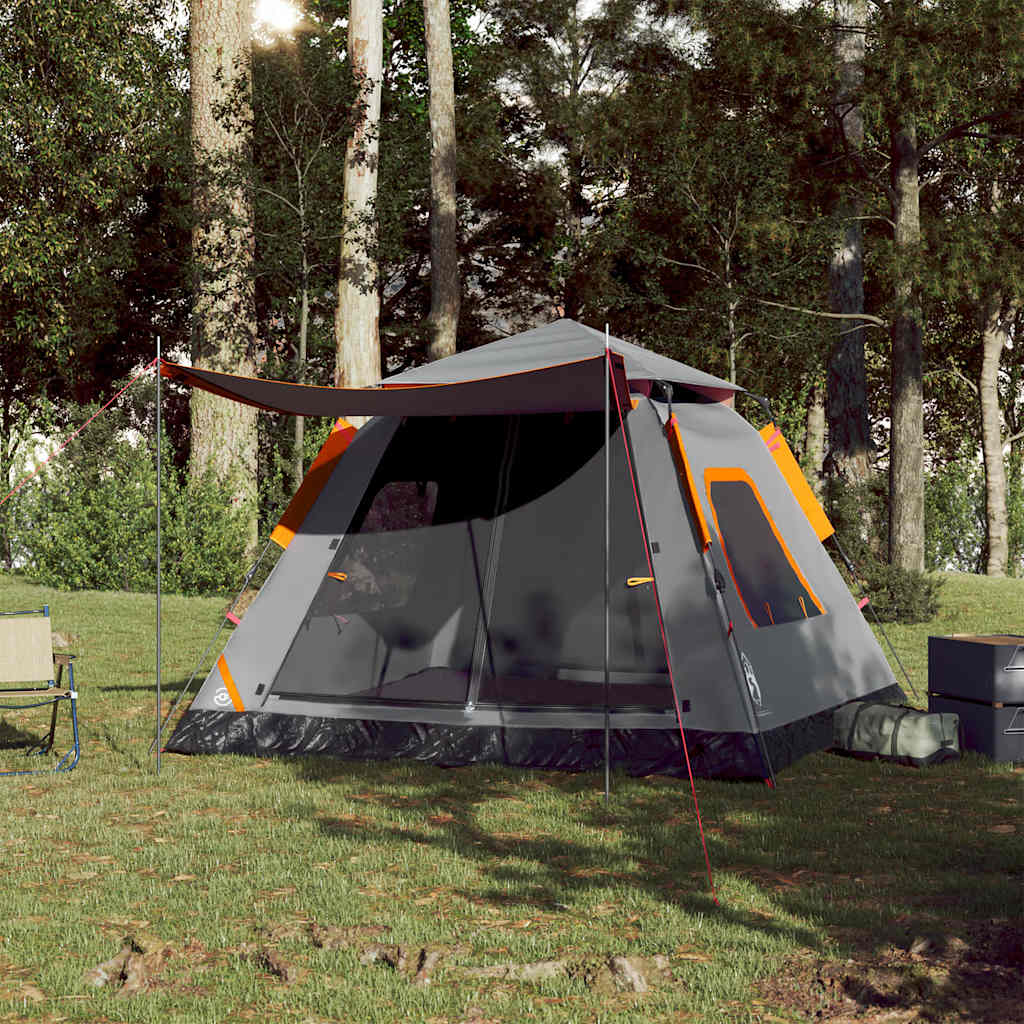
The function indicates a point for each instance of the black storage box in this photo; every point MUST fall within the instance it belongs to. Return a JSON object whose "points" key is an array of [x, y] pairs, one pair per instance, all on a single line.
{"points": [[981, 679], [997, 732]]}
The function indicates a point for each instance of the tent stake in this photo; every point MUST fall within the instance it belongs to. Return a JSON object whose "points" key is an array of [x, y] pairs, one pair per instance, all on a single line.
{"points": [[159, 445], [607, 569]]}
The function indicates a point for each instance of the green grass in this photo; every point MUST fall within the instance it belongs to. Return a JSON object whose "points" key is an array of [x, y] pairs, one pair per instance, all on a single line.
{"points": [[968, 604], [219, 855]]}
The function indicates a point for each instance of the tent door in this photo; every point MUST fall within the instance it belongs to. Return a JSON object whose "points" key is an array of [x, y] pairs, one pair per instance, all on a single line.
{"points": [[483, 656]]}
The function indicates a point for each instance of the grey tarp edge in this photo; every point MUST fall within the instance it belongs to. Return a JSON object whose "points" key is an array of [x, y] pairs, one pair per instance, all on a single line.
{"points": [[557, 368], [639, 752]]}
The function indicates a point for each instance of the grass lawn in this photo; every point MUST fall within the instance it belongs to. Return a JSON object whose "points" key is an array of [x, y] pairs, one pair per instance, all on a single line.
{"points": [[854, 892]]}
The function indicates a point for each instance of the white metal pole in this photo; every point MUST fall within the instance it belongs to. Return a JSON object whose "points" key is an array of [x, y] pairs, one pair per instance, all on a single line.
{"points": [[159, 445], [607, 567]]}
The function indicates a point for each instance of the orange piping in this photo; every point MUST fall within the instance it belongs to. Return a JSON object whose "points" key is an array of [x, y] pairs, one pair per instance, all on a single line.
{"points": [[739, 476], [675, 443], [229, 684], [313, 483], [796, 481]]}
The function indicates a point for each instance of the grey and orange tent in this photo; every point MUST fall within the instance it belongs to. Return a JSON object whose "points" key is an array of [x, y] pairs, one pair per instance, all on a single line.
{"points": [[535, 548]]}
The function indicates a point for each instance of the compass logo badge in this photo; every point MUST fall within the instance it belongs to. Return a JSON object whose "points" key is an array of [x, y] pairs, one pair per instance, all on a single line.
{"points": [[748, 672]]}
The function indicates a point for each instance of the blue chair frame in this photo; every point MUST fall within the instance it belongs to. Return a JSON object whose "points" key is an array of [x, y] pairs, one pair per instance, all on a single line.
{"points": [[52, 694]]}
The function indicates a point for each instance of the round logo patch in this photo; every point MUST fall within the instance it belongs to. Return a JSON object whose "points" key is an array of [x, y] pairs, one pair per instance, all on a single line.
{"points": [[748, 672]]}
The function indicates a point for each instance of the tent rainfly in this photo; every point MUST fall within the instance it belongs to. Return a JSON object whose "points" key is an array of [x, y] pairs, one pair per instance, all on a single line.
{"points": [[445, 582]]}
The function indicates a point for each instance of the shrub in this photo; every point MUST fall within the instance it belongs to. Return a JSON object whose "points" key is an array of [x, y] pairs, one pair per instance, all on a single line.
{"points": [[859, 514], [89, 522], [901, 595]]}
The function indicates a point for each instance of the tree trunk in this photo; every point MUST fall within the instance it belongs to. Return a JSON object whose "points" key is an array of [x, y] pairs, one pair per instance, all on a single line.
{"points": [[731, 306], [298, 468], [906, 445], [8, 450], [847, 406], [224, 435], [357, 317], [444, 256], [575, 200], [995, 335], [1014, 463], [814, 438]]}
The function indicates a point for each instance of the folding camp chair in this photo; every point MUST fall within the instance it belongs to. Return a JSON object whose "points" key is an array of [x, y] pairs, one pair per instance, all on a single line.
{"points": [[26, 656]]}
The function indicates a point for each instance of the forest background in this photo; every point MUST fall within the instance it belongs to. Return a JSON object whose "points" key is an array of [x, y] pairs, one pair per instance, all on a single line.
{"points": [[823, 201]]}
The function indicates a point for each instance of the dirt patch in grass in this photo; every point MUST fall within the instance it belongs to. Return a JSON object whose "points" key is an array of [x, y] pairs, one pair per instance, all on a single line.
{"points": [[143, 963], [974, 977], [608, 975]]}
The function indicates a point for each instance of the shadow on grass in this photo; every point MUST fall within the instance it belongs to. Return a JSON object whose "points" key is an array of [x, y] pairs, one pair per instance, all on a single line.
{"points": [[169, 687], [13, 737], [666, 864], [974, 975], [845, 857]]}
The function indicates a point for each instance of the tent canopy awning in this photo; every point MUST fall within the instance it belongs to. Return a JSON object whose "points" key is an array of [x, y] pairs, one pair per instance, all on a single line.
{"points": [[555, 368], [576, 387]]}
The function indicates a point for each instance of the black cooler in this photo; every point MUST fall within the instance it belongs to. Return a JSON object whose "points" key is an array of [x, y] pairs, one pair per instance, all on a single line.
{"points": [[981, 679]]}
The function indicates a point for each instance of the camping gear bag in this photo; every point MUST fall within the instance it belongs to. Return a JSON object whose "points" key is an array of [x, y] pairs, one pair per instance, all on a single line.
{"points": [[905, 735]]}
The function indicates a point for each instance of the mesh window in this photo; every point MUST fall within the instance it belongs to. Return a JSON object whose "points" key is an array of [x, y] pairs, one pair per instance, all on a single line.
{"points": [[395, 615], [767, 579], [381, 571], [474, 567], [546, 622]]}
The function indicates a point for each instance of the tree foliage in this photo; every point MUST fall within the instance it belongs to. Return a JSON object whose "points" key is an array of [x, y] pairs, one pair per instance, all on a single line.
{"points": [[672, 170], [91, 113]]}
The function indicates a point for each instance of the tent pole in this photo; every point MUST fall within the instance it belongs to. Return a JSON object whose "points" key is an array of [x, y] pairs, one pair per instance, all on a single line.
{"points": [[607, 569], [159, 445]]}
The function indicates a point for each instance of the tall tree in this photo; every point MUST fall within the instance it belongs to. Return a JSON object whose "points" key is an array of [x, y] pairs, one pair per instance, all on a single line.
{"points": [[982, 210], [906, 402], [849, 441], [995, 336], [445, 286], [716, 226], [302, 104], [224, 434], [564, 62], [935, 75], [357, 316], [952, 86]]}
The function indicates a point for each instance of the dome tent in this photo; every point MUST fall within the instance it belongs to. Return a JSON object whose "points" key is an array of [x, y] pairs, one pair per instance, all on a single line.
{"points": [[443, 594]]}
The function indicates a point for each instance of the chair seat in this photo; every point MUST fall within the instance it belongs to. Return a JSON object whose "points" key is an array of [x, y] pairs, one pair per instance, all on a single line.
{"points": [[27, 656]]}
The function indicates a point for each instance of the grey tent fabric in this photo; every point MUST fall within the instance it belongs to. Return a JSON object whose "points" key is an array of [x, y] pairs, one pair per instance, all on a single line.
{"points": [[567, 342], [556, 368], [570, 387], [445, 594]]}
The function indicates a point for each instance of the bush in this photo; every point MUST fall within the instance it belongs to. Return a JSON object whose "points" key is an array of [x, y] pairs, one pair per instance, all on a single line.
{"points": [[89, 522], [901, 595], [859, 514]]}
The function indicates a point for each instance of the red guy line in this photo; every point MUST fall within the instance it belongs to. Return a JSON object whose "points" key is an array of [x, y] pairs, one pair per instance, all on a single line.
{"points": [[664, 638], [42, 464]]}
